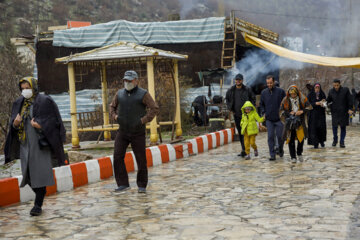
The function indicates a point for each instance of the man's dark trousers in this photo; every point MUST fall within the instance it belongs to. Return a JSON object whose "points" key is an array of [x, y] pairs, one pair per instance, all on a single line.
{"points": [[241, 137], [274, 128], [137, 141], [342, 134]]}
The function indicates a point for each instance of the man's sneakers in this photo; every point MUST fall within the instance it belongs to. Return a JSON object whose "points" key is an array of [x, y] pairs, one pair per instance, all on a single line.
{"points": [[256, 153], [300, 157], [247, 157], [334, 144], [293, 160], [122, 188], [242, 154], [36, 211], [342, 145], [142, 190]]}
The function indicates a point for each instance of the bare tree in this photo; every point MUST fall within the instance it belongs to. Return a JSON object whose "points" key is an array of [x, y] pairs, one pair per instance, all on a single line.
{"points": [[12, 67]]}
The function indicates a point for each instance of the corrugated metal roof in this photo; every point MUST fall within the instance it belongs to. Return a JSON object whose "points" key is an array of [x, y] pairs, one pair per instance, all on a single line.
{"points": [[120, 50]]}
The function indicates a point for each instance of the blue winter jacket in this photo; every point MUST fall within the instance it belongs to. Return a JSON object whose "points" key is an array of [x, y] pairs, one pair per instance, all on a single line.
{"points": [[270, 103]]}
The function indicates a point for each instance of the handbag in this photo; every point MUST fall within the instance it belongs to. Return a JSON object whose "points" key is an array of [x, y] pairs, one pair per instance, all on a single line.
{"points": [[293, 122], [43, 142]]}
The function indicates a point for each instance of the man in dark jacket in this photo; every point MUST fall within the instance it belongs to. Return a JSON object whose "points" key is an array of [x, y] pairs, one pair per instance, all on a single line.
{"points": [[269, 106], [340, 101], [236, 96], [35, 116], [128, 108]]}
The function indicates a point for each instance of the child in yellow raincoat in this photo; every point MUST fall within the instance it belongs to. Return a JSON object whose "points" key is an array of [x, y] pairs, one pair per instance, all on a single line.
{"points": [[249, 128]]}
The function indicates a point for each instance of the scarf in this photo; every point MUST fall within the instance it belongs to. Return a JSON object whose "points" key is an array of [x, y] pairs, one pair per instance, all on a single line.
{"points": [[24, 114], [25, 109]]}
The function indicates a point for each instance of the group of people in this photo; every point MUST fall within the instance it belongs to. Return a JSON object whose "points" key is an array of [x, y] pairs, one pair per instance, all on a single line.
{"points": [[36, 131], [289, 116]]}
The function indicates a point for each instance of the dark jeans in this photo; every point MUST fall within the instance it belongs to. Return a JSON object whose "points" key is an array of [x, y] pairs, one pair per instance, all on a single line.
{"points": [[238, 127], [300, 145], [274, 129], [39, 195], [137, 141], [342, 134]]}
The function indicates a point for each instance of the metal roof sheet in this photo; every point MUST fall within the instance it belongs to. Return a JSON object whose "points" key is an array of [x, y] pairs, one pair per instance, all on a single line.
{"points": [[120, 50]]}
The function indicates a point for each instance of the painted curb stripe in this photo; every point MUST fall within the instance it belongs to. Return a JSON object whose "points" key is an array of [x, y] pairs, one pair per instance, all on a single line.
{"points": [[79, 174], [172, 152], [106, 169], [129, 162], [205, 142], [93, 170], [164, 153], [9, 191], [51, 189], [179, 150], [149, 159]]}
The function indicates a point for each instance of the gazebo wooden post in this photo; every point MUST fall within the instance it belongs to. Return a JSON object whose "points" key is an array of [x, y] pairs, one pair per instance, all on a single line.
{"points": [[74, 125], [104, 95], [177, 95], [151, 87]]}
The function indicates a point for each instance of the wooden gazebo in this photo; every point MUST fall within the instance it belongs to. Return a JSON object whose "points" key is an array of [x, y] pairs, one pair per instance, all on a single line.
{"points": [[121, 53]]}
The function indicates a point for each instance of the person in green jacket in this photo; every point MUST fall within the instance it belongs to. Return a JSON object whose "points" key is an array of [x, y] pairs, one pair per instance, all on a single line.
{"points": [[249, 128]]}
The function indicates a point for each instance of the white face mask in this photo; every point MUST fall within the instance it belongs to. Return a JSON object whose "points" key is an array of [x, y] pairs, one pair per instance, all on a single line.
{"points": [[27, 93], [129, 85]]}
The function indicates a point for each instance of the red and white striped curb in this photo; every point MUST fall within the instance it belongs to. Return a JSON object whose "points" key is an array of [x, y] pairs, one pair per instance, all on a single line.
{"points": [[91, 171]]}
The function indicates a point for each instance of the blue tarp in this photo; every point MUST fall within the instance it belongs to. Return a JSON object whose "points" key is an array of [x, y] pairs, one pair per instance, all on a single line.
{"points": [[183, 31]]}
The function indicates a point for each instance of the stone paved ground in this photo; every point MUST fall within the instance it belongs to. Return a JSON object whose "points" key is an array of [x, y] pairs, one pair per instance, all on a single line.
{"points": [[215, 195]]}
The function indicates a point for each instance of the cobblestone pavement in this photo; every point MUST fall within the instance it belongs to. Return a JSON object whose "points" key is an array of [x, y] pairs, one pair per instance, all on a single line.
{"points": [[215, 195]]}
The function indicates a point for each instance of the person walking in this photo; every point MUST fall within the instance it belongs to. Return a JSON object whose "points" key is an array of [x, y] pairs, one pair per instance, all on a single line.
{"points": [[340, 101], [128, 108], [293, 110], [355, 104], [236, 96], [35, 132], [270, 101], [249, 128], [317, 117]]}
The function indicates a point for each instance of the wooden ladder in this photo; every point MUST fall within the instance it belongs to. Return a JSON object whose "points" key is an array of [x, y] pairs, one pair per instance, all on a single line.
{"points": [[228, 54]]}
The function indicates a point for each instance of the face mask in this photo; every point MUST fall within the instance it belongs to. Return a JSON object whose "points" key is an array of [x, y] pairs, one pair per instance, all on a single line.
{"points": [[129, 85], [27, 93]]}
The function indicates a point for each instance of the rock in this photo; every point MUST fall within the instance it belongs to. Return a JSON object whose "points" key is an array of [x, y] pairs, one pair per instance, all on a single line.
{"points": [[75, 156]]}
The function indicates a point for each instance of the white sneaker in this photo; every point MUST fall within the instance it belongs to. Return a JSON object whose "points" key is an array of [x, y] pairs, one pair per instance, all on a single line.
{"points": [[301, 159], [293, 160]]}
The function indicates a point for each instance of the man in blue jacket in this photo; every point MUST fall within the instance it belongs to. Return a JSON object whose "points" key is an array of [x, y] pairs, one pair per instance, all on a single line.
{"points": [[270, 101]]}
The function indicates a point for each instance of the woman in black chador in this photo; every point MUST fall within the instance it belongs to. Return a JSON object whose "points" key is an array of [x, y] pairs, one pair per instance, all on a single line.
{"points": [[317, 117]]}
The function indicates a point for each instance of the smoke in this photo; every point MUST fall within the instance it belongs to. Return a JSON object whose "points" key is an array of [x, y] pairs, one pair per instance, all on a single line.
{"points": [[254, 66], [187, 6]]}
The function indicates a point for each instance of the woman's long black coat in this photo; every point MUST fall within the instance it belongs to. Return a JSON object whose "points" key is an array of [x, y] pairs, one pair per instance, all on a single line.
{"points": [[46, 113], [316, 119]]}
